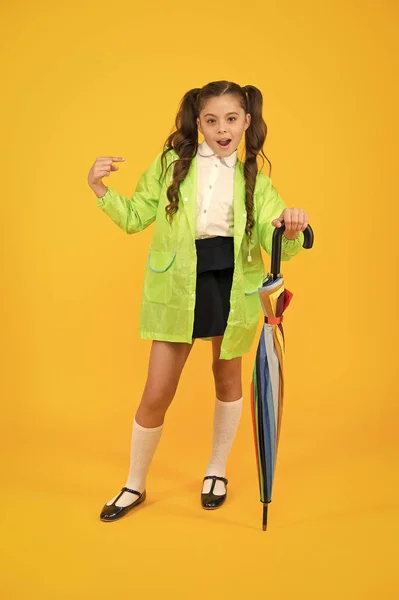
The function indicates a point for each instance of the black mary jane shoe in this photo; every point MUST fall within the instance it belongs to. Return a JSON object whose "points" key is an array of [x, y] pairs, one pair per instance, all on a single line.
{"points": [[110, 512], [210, 501]]}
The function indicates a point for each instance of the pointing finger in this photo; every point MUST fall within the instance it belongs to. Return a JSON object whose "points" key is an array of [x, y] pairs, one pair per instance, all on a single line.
{"points": [[111, 158]]}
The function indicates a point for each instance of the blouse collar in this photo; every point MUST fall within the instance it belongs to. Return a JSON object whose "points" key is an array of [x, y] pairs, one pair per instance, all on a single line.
{"points": [[206, 151]]}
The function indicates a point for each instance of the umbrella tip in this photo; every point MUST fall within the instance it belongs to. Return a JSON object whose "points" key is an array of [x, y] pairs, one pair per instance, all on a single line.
{"points": [[264, 520]]}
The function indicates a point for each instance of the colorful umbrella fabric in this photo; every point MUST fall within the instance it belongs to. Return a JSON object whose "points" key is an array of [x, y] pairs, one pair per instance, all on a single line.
{"points": [[267, 387]]}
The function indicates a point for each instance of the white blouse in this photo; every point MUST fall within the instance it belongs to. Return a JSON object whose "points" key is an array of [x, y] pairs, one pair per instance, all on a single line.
{"points": [[215, 189]]}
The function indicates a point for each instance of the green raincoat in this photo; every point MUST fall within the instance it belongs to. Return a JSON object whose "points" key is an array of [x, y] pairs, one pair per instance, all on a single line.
{"points": [[168, 297]]}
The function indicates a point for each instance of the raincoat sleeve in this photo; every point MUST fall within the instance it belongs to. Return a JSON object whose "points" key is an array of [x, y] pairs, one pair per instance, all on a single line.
{"points": [[269, 206], [138, 212]]}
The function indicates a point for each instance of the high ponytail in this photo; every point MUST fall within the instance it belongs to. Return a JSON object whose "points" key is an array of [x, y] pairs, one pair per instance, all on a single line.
{"points": [[184, 140], [255, 137]]}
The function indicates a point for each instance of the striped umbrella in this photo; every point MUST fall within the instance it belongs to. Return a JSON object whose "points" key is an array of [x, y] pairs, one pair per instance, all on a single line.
{"points": [[267, 387]]}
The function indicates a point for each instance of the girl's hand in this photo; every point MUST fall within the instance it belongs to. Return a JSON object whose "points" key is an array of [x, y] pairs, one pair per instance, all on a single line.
{"points": [[102, 167], [295, 221]]}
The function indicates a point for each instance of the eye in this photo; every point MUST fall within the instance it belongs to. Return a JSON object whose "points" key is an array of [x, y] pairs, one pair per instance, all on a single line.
{"points": [[210, 121], [232, 118]]}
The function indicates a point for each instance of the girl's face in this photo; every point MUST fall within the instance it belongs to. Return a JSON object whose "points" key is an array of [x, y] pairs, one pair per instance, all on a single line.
{"points": [[222, 121]]}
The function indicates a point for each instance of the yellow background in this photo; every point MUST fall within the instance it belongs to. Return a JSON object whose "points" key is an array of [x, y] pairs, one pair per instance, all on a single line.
{"points": [[82, 79]]}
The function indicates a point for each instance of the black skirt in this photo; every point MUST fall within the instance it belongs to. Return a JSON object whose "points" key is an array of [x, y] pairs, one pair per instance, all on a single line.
{"points": [[215, 269]]}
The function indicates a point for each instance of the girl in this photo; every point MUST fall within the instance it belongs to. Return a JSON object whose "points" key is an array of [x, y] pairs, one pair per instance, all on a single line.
{"points": [[212, 214]]}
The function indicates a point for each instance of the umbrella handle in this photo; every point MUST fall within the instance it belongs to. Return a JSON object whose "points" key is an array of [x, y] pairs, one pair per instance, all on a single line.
{"points": [[276, 247]]}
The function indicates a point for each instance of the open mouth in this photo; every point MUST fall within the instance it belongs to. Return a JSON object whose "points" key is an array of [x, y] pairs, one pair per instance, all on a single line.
{"points": [[224, 143]]}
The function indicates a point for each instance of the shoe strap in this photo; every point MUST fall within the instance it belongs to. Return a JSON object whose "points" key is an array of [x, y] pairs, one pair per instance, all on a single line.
{"points": [[215, 478], [125, 489]]}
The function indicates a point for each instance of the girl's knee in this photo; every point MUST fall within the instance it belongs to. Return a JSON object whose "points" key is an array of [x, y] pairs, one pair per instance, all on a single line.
{"points": [[226, 368], [156, 401], [151, 411], [227, 379]]}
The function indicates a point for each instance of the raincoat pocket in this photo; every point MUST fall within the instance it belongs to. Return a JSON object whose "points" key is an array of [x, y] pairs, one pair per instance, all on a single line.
{"points": [[158, 278], [252, 281]]}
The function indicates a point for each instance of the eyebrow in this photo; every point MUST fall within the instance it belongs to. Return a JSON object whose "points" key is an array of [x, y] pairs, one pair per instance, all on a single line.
{"points": [[211, 115]]}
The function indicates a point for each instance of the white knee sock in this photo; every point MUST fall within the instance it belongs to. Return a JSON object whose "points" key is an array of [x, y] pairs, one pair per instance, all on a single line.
{"points": [[226, 419], [144, 443]]}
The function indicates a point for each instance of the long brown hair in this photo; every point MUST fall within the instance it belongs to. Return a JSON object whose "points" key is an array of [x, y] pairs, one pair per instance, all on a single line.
{"points": [[184, 139]]}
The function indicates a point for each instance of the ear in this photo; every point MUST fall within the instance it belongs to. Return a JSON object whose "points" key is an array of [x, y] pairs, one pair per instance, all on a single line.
{"points": [[199, 125], [247, 121]]}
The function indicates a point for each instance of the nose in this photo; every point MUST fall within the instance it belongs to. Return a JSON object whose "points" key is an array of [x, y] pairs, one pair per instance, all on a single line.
{"points": [[221, 128]]}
